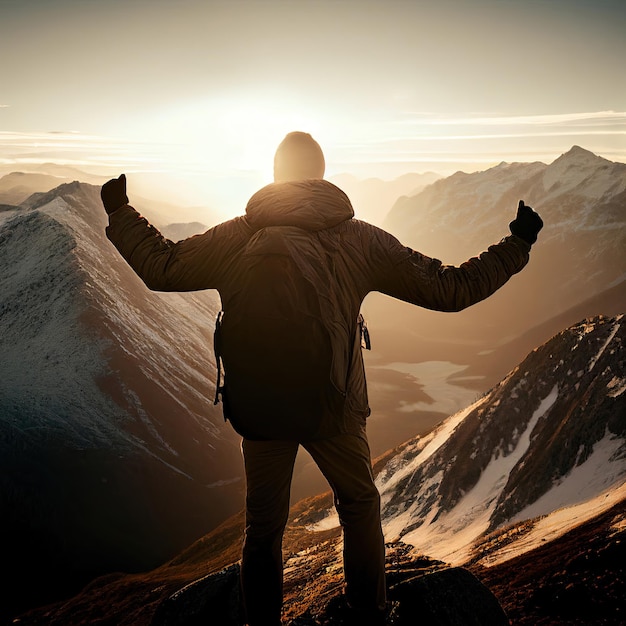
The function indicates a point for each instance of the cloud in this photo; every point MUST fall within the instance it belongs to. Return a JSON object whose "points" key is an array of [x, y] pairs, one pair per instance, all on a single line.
{"points": [[70, 148], [608, 117], [566, 129], [417, 141]]}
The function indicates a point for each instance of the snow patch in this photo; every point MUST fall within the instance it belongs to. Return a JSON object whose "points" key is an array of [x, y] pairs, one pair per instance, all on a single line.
{"points": [[394, 472], [617, 387], [600, 471], [452, 536], [556, 524], [610, 338]]}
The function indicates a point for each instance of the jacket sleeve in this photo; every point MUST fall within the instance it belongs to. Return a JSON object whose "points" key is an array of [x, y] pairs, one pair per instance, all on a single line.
{"points": [[416, 278], [191, 264]]}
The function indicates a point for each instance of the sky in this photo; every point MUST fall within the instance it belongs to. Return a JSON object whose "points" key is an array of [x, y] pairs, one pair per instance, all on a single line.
{"points": [[207, 89]]}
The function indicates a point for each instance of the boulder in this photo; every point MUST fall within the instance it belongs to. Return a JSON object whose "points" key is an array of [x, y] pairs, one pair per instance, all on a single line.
{"points": [[450, 596]]}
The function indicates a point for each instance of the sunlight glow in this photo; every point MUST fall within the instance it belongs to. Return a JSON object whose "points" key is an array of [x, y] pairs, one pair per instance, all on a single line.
{"points": [[225, 135], [216, 151]]}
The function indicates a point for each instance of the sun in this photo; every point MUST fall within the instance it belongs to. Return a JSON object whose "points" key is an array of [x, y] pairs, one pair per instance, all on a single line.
{"points": [[229, 134], [219, 149]]}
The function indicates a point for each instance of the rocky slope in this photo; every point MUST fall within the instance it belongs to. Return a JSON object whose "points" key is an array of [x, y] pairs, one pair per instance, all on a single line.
{"points": [[525, 489]]}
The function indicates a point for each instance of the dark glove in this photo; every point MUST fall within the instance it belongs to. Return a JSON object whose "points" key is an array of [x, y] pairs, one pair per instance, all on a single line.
{"points": [[113, 194], [526, 224]]}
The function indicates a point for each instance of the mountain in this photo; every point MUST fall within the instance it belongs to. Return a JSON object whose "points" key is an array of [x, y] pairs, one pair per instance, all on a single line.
{"points": [[530, 480], [373, 198], [112, 454], [18, 186], [579, 256], [178, 231], [579, 253], [550, 436], [23, 187], [62, 172]]}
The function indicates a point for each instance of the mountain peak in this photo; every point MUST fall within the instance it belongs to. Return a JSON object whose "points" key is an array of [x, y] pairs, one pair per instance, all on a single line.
{"points": [[61, 191], [578, 154], [577, 150], [75, 198]]}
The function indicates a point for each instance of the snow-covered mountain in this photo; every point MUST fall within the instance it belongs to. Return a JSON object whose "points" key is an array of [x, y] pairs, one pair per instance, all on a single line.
{"points": [[548, 444], [580, 251], [112, 453]]}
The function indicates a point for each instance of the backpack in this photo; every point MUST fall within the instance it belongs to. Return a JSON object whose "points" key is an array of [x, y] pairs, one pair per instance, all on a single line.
{"points": [[273, 342]]}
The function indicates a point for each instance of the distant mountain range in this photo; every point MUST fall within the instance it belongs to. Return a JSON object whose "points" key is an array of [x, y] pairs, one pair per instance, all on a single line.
{"points": [[577, 269], [579, 253], [112, 455], [374, 198]]}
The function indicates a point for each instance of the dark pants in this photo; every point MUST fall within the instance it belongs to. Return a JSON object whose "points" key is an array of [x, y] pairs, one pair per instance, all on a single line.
{"points": [[345, 462]]}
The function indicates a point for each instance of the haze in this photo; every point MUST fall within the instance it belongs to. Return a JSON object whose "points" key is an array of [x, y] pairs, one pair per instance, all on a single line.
{"points": [[198, 94]]}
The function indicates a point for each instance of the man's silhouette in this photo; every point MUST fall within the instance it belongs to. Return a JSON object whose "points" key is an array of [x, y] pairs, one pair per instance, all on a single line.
{"points": [[348, 259]]}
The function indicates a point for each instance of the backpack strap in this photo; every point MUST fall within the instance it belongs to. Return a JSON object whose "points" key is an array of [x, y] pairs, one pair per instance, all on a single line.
{"points": [[217, 348], [365, 334]]}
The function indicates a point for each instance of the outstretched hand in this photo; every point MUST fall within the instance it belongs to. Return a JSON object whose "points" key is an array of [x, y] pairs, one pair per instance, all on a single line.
{"points": [[113, 193], [526, 224]]}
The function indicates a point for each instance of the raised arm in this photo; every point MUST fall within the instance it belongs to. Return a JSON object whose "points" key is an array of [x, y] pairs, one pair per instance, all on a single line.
{"points": [[427, 282], [198, 262]]}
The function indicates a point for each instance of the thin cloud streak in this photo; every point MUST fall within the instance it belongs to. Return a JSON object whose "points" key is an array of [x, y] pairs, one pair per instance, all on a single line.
{"points": [[76, 149], [481, 139], [618, 117]]}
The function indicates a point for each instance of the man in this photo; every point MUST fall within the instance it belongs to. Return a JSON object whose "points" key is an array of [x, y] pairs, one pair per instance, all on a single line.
{"points": [[310, 222]]}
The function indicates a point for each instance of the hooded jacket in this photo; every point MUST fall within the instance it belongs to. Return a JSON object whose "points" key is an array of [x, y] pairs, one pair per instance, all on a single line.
{"points": [[343, 257]]}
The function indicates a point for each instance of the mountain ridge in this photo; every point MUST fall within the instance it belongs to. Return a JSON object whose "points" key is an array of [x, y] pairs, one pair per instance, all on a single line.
{"points": [[109, 444], [567, 438]]}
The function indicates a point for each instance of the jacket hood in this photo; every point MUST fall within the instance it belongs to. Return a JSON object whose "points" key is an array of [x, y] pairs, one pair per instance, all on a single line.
{"points": [[308, 204]]}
